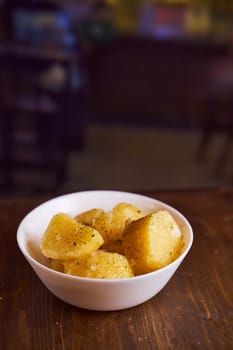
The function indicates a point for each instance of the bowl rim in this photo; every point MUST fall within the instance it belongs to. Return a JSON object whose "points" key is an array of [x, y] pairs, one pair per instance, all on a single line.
{"points": [[29, 258]]}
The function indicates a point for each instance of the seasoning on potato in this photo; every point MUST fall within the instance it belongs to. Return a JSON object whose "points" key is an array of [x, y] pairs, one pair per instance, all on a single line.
{"points": [[152, 242], [65, 238], [111, 244], [111, 224], [100, 264]]}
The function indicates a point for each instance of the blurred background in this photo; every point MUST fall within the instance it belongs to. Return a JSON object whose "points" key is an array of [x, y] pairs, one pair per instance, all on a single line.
{"points": [[117, 94]]}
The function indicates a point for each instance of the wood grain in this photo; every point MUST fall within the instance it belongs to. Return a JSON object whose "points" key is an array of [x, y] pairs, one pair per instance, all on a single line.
{"points": [[194, 311]]}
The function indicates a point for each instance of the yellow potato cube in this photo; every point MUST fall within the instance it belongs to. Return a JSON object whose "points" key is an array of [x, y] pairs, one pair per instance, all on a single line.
{"points": [[122, 215], [152, 242], [89, 217], [65, 238], [103, 224], [100, 264], [110, 224]]}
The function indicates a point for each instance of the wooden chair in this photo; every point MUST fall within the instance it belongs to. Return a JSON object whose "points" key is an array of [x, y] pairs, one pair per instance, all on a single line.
{"points": [[53, 117], [26, 109]]}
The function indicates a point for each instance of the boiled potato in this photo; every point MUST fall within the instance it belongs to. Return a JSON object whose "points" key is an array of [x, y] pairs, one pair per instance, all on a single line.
{"points": [[103, 224], [122, 215], [89, 217], [111, 224], [152, 242], [99, 264], [98, 219], [113, 246], [57, 265], [65, 238]]}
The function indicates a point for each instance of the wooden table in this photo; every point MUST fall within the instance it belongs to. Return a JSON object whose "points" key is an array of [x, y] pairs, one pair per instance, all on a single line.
{"points": [[194, 311]]}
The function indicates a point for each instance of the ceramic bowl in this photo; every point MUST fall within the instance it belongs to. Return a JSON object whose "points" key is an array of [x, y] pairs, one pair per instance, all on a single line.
{"points": [[88, 293]]}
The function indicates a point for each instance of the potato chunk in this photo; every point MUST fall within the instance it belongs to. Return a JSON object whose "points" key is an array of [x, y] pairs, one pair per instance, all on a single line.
{"points": [[103, 224], [65, 238], [100, 264], [110, 224], [98, 219], [89, 217], [57, 265], [152, 242], [113, 246], [122, 215]]}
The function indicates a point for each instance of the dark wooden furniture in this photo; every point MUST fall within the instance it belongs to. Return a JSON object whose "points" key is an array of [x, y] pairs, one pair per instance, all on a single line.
{"points": [[194, 311], [55, 117], [53, 113]]}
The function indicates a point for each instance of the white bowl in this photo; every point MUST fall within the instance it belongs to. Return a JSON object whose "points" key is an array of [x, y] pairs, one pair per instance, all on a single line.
{"points": [[88, 293]]}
